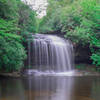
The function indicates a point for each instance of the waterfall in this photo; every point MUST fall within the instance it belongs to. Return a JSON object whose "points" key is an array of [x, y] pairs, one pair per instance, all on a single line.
{"points": [[50, 53]]}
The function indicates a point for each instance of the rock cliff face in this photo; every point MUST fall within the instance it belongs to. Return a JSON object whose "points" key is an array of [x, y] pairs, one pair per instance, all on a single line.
{"points": [[82, 54]]}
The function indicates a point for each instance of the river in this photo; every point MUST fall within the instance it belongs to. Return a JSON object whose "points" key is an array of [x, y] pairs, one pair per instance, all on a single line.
{"points": [[50, 88]]}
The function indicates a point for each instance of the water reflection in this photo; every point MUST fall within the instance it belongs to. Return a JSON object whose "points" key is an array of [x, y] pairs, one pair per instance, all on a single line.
{"points": [[95, 92], [50, 88], [11, 89]]}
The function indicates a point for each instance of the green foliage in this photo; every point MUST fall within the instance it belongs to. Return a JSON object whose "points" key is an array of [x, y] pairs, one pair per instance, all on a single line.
{"points": [[95, 49], [16, 21], [8, 26], [8, 9], [96, 58], [12, 54], [79, 19], [27, 19], [18, 14], [56, 14]]}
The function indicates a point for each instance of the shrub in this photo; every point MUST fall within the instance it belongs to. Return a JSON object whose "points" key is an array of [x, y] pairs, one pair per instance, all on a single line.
{"points": [[12, 54]]}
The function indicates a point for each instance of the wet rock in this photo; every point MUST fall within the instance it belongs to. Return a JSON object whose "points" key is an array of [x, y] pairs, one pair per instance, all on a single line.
{"points": [[82, 54]]}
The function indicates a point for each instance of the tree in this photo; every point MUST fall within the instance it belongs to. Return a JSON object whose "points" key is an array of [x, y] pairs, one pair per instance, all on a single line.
{"points": [[15, 17], [27, 18]]}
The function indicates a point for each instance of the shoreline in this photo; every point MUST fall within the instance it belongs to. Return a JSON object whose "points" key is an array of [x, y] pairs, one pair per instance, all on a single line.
{"points": [[77, 73]]}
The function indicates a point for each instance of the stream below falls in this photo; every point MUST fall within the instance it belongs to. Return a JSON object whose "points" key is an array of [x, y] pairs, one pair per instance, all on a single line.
{"points": [[50, 88]]}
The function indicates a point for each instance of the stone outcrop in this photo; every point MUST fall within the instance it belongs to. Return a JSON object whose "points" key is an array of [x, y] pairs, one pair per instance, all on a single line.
{"points": [[82, 54]]}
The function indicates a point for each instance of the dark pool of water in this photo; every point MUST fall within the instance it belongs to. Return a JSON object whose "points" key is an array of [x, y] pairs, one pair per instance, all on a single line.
{"points": [[50, 88]]}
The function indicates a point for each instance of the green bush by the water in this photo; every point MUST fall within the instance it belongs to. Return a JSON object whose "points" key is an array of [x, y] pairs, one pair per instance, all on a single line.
{"points": [[12, 54], [16, 21]]}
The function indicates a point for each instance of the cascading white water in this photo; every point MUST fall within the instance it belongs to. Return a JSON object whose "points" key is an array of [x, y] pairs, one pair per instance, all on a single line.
{"points": [[50, 54]]}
